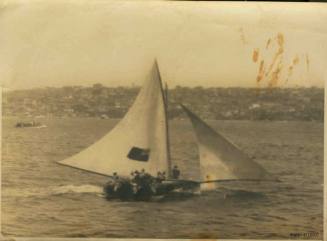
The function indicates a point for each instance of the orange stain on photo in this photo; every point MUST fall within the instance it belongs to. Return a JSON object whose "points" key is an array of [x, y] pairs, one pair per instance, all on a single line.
{"points": [[255, 55], [268, 43], [261, 71], [274, 80]]}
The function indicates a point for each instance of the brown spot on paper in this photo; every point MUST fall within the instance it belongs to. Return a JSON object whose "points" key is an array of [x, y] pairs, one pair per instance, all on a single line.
{"points": [[261, 71], [270, 68], [307, 60], [255, 55], [242, 35], [274, 79], [295, 61], [268, 43]]}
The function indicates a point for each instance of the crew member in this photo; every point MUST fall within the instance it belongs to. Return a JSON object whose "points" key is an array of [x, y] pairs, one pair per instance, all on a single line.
{"points": [[176, 172], [136, 178], [116, 181], [115, 176], [163, 176], [142, 172], [159, 177]]}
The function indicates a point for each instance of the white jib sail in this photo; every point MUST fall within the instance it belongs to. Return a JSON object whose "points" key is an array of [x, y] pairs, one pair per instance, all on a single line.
{"points": [[220, 159], [138, 141]]}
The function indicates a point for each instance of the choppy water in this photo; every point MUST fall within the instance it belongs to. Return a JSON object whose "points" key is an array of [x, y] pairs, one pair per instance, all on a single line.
{"points": [[42, 198]]}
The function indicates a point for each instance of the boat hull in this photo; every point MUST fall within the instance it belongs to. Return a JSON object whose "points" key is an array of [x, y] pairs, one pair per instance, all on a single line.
{"points": [[29, 125], [125, 191]]}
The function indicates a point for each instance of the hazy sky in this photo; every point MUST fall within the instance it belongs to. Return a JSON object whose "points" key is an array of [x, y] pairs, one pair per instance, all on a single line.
{"points": [[58, 43]]}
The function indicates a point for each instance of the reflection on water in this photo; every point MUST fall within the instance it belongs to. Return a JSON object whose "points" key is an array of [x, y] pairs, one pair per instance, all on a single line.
{"points": [[42, 198]]}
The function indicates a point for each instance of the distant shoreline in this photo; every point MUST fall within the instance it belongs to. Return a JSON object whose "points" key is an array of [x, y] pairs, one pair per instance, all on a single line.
{"points": [[18, 118], [231, 103], [264, 88]]}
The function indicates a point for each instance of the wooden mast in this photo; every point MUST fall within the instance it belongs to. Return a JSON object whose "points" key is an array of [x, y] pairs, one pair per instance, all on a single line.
{"points": [[165, 101], [167, 132]]}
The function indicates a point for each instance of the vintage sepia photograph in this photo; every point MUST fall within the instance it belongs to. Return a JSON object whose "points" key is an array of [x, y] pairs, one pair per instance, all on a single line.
{"points": [[162, 119]]}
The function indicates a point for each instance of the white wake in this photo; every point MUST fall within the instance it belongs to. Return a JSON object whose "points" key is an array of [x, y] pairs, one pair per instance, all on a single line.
{"points": [[52, 190]]}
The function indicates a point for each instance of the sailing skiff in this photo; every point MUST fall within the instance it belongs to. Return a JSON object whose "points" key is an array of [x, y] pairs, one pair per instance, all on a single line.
{"points": [[141, 141]]}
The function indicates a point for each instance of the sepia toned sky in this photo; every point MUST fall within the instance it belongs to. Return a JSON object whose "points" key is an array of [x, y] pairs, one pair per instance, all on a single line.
{"points": [[56, 43]]}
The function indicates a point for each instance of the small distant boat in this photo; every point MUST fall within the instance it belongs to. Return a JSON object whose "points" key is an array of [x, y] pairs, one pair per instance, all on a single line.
{"points": [[141, 141], [104, 116], [31, 124]]}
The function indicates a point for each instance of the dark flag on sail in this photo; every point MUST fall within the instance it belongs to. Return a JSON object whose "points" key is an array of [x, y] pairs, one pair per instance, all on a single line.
{"points": [[139, 154]]}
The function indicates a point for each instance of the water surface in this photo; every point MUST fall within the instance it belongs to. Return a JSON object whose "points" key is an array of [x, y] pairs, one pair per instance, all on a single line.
{"points": [[41, 198]]}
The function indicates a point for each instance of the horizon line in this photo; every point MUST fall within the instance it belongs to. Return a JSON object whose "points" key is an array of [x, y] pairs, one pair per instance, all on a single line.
{"points": [[6, 89]]}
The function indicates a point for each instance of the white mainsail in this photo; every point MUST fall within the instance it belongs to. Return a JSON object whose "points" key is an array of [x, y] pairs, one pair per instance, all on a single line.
{"points": [[138, 141], [220, 159]]}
